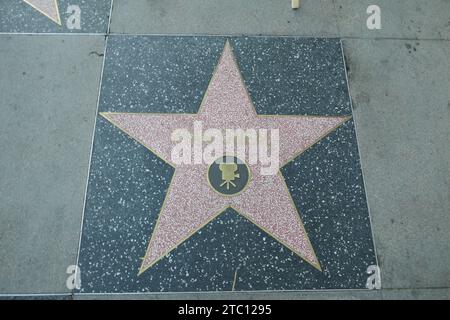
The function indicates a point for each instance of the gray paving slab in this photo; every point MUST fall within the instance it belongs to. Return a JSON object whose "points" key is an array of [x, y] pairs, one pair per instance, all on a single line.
{"points": [[37, 297], [416, 294], [401, 98], [223, 17], [49, 89], [413, 19]]}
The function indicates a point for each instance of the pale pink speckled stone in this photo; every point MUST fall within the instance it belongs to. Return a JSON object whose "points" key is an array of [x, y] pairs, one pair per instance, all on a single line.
{"points": [[47, 7], [191, 202]]}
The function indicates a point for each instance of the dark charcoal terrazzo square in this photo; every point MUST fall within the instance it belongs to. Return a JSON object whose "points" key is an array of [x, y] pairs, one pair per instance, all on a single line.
{"points": [[127, 183], [19, 17]]}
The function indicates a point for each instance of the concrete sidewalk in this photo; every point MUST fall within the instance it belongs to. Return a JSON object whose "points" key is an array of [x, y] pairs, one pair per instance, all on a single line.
{"points": [[399, 80]]}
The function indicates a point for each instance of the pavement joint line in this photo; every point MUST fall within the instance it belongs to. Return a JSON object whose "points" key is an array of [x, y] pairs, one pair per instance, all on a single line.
{"points": [[50, 34], [3, 295], [6, 295], [424, 288], [108, 29], [344, 61], [317, 291], [220, 35], [92, 142]]}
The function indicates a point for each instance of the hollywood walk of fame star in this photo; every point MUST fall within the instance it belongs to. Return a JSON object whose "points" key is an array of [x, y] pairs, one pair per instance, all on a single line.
{"points": [[191, 202], [49, 8]]}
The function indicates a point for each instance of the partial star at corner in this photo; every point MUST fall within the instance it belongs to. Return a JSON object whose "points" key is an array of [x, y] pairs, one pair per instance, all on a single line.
{"points": [[48, 8]]}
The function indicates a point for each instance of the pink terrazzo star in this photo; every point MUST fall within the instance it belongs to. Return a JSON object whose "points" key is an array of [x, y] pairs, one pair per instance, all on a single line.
{"points": [[191, 202], [49, 8]]}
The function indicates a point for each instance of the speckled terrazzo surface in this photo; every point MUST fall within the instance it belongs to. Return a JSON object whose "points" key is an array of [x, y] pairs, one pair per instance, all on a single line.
{"points": [[19, 17], [128, 183]]}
